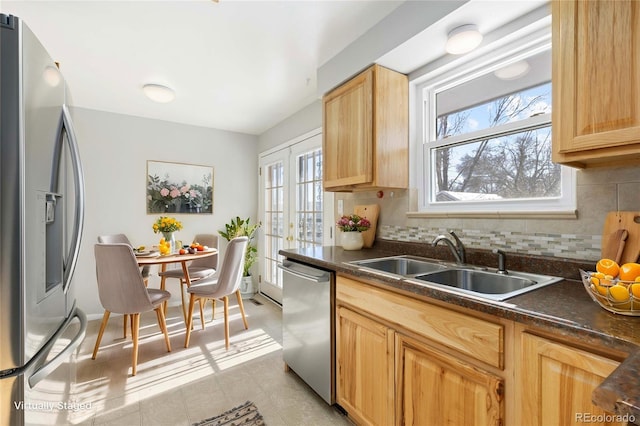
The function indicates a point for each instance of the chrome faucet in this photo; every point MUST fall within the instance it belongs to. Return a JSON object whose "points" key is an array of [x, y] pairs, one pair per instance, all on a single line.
{"points": [[502, 261], [457, 249]]}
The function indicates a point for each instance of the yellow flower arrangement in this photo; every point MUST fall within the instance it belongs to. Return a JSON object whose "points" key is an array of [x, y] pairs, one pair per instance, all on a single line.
{"points": [[166, 224]]}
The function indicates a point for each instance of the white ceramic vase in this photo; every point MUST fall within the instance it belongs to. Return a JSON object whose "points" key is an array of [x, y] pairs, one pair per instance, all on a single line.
{"points": [[352, 240]]}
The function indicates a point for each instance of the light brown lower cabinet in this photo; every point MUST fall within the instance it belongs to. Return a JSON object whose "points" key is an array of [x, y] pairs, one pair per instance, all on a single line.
{"points": [[388, 374], [555, 382], [365, 380], [436, 389], [405, 361]]}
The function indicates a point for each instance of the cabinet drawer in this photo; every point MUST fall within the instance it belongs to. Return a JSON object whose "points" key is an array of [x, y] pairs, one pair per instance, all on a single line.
{"points": [[477, 338]]}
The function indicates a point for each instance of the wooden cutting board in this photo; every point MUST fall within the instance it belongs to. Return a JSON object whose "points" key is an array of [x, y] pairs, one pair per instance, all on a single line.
{"points": [[371, 212], [614, 222]]}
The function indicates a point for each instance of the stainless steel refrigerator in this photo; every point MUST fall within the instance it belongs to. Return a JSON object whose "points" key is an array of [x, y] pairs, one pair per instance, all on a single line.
{"points": [[41, 219]]}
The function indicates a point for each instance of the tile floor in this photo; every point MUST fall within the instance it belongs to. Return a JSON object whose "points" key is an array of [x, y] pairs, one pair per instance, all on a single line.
{"points": [[189, 385]]}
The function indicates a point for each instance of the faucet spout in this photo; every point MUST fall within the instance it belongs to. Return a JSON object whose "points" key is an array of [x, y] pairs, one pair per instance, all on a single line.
{"points": [[457, 249], [502, 261]]}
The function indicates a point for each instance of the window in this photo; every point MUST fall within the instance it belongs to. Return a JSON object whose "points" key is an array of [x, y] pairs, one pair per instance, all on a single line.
{"points": [[487, 139]]}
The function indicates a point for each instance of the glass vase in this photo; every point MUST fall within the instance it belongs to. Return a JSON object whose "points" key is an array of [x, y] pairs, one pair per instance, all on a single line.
{"points": [[352, 240], [171, 238]]}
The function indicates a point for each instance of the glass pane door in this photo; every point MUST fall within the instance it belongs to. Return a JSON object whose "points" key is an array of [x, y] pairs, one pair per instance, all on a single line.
{"points": [[295, 207], [273, 173], [309, 197]]}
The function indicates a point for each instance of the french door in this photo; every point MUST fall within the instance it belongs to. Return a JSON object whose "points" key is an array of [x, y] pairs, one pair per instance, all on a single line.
{"points": [[296, 213]]}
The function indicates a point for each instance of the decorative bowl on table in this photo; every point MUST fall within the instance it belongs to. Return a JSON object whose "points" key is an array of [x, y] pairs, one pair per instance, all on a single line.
{"points": [[614, 295]]}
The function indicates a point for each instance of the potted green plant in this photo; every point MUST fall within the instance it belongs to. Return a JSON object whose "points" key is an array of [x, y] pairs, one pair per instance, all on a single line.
{"points": [[236, 228]]}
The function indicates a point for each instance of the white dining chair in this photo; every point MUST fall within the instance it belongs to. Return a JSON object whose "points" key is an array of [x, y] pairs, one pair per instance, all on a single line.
{"points": [[123, 239], [220, 286], [121, 289]]}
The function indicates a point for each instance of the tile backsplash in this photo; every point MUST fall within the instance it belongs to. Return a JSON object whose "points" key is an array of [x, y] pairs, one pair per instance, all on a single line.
{"points": [[573, 246]]}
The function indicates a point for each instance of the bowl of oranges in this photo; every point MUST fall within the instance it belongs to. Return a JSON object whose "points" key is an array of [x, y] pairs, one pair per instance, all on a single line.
{"points": [[614, 287]]}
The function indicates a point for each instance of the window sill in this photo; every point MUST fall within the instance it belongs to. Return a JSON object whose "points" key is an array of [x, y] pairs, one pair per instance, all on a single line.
{"points": [[569, 214]]}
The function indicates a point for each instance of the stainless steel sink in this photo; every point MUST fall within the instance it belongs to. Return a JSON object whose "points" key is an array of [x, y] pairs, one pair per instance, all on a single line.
{"points": [[467, 279], [489, 284], [401, 265]]}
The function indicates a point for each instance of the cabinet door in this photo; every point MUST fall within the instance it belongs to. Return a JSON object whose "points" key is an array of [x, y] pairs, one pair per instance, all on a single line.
{"points": [[348, 133], [556, 383], [596, 81], [436, 389], [364, 363]]}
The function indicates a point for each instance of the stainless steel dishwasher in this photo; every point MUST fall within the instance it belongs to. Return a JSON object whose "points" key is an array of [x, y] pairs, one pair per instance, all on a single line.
{"points": [[308, 326]]}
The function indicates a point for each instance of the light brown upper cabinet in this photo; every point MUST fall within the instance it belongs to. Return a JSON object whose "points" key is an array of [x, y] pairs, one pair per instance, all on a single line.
{"points": [[366, 132], [596, 83]]}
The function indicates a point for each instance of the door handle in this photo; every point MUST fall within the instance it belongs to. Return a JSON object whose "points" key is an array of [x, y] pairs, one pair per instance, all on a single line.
{"points": [[78, 176]]}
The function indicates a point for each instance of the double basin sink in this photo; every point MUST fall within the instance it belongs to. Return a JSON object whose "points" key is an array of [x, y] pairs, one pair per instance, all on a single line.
{"points": [[467, 279]]}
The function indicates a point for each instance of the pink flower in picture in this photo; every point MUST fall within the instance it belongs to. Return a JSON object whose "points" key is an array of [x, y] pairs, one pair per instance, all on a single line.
{"points": [[175, 192], [164, 192]]}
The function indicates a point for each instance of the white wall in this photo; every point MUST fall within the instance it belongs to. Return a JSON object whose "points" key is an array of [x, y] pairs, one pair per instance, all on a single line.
{"points": [[307, 119], [115, 148]]}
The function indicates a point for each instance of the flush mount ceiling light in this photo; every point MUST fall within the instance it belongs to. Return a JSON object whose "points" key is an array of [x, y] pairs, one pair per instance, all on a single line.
{"points": [[463, 39], [159, 93], [52, 76], [513, 71]]}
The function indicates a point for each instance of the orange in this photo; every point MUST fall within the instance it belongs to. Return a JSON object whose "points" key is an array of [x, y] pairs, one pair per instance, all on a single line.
{"points": [[635, 290], [629, 271], [597, 277], [619, 293], [608, 267], [601, 289], [600, 279]]}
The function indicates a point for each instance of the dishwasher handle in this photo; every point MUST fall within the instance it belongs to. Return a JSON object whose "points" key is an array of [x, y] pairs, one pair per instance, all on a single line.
{"points": [[303, 272]]}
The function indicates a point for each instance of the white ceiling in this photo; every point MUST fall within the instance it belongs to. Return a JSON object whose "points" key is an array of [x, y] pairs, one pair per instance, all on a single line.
{"points": [[235, 65]]}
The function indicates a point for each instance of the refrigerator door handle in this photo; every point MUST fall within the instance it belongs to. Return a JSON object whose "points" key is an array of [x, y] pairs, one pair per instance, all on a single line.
{"points": [[78, 177], [46, 369]]}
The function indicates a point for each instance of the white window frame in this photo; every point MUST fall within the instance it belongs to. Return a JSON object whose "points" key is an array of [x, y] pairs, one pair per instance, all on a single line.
{"points": [[425, 93]]}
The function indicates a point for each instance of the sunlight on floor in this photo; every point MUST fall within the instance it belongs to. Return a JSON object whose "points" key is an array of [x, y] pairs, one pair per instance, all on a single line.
{"points": [[107, 385]]}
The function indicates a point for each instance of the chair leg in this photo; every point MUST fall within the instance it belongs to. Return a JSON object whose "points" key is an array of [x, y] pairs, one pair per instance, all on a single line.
{"points": [[225, 300], [202, 302], [162, 285], [134, 334], [192, 302], [213, 309], [241, 306], [184, 307], [163, 326], [124, 325], [105, 319]]}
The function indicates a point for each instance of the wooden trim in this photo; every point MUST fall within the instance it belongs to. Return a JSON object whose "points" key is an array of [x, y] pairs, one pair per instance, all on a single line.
{"points": [[569, 214]]}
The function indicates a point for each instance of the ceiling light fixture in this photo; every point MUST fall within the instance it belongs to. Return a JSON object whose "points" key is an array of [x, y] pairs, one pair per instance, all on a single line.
{"points": [[159, 93], [463, 39], [513, 71], [52, 76]]}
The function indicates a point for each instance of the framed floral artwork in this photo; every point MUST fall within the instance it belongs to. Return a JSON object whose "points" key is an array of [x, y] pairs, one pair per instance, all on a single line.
{"points": [[179, 188]]}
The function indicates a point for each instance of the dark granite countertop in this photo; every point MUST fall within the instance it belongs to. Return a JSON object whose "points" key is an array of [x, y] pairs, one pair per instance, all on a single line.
{"points": [[564, 308]]}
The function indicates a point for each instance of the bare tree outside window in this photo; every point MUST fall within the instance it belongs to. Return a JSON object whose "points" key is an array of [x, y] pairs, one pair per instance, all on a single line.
{"points": [[499, 166]]}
